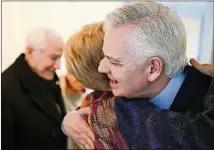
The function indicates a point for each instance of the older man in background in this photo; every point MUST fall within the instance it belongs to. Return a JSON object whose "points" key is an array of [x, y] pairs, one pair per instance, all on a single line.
{"points": [[32, 105]]}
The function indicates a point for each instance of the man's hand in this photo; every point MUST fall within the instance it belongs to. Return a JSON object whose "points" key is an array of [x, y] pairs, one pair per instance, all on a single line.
{"points": [[207, 69], [76, 126]]}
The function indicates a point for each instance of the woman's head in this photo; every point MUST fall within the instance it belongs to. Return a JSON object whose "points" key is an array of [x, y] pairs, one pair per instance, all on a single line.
{"points": [[83, 52]]}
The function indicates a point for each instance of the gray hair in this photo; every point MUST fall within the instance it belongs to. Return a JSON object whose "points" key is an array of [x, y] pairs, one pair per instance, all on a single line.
{"points": [[38, 38], [158, 31]]}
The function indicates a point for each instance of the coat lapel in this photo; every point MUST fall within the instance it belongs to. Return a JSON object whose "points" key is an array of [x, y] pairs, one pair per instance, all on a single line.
{"points": [[45, 103], [40, 96]]}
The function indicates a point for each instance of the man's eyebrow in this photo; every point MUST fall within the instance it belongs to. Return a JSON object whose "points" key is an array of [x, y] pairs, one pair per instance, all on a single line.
{"points": [[111, 58]]}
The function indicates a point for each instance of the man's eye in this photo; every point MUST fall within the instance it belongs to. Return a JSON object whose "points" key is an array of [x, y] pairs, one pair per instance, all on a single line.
{"points": [[113, 63], [54, 58]]}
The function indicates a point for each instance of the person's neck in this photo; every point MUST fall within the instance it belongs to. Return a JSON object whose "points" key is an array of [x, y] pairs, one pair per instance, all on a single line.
{"points": [[158, 85]]}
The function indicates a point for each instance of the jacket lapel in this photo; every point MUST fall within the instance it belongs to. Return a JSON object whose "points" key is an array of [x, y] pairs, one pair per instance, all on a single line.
{"points": [[45, 103], [40, 96]]}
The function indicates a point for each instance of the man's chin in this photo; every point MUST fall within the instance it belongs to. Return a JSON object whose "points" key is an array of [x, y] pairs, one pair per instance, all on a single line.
{"points": [[48, 77]]}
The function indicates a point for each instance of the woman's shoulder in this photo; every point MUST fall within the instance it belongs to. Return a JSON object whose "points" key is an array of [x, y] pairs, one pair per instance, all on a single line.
{"points": [[96, 96], [101, 94]]}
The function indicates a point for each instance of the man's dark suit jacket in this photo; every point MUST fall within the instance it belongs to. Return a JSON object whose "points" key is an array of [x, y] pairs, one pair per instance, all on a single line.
{"points": [[190, 97], [30, 118]]}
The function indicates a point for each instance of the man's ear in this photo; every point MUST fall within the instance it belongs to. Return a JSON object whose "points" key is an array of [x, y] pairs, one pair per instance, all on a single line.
{"points": [[29, 50], [155, 65]]}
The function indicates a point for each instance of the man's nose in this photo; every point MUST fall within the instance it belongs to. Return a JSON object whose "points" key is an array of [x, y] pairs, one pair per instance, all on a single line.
{"points": [[103, 67], [57, 64]]}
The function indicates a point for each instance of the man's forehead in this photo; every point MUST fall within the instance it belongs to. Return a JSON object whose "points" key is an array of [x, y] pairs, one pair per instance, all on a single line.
{"points": [[116, 42], [56, 51], [55, 45], [55, 41]]}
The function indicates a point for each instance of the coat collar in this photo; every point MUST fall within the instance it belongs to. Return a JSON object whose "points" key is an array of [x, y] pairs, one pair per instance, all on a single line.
{"points": [[40, 96]]}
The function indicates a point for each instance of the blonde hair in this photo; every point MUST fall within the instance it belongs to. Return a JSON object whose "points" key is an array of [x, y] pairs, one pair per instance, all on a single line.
{"points": [[83, 52]]}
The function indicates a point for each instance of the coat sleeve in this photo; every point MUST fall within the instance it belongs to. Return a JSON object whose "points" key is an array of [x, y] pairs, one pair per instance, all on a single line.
{"points": [[203, 122], [8, 124]]}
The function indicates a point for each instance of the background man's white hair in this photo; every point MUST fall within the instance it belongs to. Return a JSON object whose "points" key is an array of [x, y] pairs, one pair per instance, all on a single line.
{"points": [[37, 39], [158, 31]]}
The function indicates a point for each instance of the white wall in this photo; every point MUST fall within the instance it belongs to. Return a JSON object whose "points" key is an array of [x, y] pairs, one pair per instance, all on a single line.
{"points": [[18, 18], [198, 21]]}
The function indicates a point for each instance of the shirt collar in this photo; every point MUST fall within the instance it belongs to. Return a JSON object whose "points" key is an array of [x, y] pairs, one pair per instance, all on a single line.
{"points": [[166, 97]]}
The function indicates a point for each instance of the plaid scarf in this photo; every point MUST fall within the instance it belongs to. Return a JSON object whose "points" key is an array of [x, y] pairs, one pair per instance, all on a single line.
{"points": [[120, 123]]}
